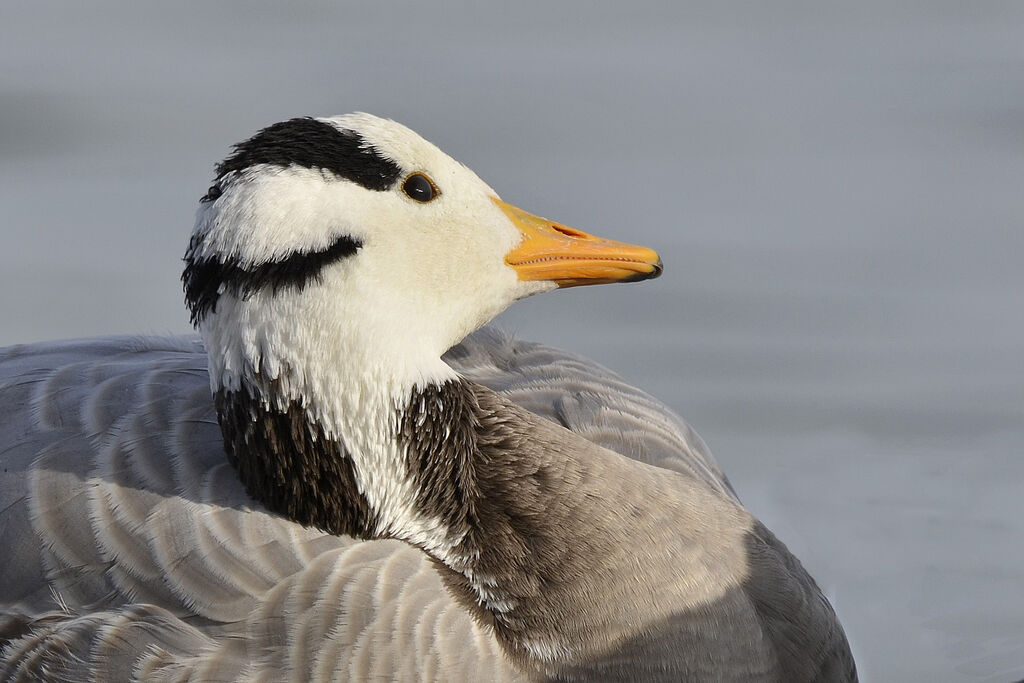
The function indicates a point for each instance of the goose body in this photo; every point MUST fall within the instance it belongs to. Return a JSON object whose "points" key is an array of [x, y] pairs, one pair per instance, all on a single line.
{"points": [[311, 492]]}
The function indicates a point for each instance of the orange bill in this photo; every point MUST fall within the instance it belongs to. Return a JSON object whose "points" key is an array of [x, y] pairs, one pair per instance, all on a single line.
{"points": [[569, 257]]}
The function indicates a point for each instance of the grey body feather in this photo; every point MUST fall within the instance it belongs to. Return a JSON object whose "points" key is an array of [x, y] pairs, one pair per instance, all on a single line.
{"points": [[134, 552]]}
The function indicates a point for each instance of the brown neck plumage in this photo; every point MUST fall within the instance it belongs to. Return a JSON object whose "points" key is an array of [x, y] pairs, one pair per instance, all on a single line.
{"points": [[583, 562]]}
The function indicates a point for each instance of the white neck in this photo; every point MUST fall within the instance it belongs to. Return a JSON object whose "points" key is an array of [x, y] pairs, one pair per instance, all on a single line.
{"points": [[353, 380]]}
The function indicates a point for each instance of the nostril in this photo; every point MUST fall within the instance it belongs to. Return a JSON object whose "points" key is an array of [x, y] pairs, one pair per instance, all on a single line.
{"points": [[569, 232]]}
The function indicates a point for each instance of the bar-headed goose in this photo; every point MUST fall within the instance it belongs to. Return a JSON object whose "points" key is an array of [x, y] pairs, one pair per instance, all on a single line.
{"points": [[367, 509]]}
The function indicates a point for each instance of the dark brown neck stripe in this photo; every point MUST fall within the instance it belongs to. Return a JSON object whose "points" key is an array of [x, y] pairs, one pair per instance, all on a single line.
{"points": [[438, 429], [291, 466]]}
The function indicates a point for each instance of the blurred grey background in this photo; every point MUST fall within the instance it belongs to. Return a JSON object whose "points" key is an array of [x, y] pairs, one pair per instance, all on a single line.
{"points": [[837, 192]]}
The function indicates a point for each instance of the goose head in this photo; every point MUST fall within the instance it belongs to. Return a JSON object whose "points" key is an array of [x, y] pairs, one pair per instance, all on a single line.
{"points": [[352, 240]]}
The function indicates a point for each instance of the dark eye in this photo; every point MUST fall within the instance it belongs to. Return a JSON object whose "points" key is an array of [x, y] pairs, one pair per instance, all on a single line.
{"points": [[419, 187]]}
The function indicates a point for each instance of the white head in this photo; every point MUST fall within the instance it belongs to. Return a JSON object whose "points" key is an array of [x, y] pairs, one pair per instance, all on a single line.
{"points": [[353, 242]]}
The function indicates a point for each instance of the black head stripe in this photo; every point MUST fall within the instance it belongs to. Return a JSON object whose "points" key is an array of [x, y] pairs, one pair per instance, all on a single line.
{"points": [[205, 279], [309, 143], [302, 142]]}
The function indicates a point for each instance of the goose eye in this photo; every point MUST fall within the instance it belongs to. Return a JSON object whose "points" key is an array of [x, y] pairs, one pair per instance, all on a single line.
{"points": [[420, 188]]}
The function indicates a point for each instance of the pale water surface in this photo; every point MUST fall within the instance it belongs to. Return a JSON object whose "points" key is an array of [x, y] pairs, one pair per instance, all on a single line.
{"points": [[837, 192]]}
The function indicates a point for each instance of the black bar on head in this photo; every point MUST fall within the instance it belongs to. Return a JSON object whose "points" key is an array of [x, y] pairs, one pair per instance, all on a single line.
{"points": [[205, 279], [310, 143]]}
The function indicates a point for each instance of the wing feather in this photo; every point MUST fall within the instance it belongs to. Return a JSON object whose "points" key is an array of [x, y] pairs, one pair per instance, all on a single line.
{"points": [[135, 553]]}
